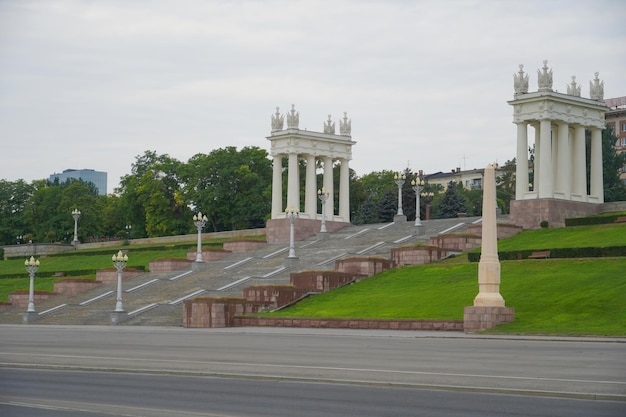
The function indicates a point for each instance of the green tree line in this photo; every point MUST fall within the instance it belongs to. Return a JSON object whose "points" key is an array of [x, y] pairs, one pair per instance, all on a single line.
{"points": [[233, 189]]}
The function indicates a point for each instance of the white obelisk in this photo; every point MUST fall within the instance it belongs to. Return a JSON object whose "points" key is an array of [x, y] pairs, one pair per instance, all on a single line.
{"points": [[489, 265]]}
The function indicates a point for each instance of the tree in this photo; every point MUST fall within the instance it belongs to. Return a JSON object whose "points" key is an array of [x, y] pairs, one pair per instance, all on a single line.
{"points": [[612, 165], [233, 188], [452, 202], [505, 184], [152, 197], [14, 197], [387, 207]]}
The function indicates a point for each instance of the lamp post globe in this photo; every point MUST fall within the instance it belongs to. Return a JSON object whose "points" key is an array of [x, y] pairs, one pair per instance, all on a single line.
{"points": [[200, 221], [32, 265], [119, 262]]}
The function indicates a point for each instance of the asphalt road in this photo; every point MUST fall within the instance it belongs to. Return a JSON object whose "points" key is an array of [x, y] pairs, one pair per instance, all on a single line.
{"points": [[135, 371]]}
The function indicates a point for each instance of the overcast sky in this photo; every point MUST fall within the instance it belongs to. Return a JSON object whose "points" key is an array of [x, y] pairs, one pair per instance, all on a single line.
{"points": [[93, 84]]}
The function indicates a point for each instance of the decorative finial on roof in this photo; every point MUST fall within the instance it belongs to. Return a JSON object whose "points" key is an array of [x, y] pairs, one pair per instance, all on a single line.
{"points": [[277, 121], [573, 89], [596, 88], [329, 126], [293, 118], [520, 81], [545, 77], [345, 125]]}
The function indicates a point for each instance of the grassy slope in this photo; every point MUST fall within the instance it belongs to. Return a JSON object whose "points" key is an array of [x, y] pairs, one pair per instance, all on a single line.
{"points": [[585, 296]]}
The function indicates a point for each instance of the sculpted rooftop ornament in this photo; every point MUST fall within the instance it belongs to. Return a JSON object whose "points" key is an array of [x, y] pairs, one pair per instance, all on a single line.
{"points": [[520, 81], [278, 121], [293, 118], [545, 77], [345, 125], [596, 88], [329, 126], [573, 89]]}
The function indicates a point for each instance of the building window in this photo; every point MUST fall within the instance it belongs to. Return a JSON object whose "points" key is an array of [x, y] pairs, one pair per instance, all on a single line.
{"points": [[623, 141], [623, 127]]}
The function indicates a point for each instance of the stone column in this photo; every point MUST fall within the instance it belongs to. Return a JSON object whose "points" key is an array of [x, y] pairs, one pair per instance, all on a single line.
{"points": [[596, 181], [545, 183], [489, 265], [555, 154], [293, 182], [310, 193], [579, 169], [277, 186], [564, 169], [328, 184], [344, 191], [521, 170]]}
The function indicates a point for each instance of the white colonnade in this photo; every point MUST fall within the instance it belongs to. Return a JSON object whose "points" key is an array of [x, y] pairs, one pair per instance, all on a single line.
{"points": [[560, 122], [312, 147]]}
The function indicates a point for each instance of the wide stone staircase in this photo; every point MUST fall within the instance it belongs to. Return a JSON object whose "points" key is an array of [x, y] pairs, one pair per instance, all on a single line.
{"points": [[156, 299]]}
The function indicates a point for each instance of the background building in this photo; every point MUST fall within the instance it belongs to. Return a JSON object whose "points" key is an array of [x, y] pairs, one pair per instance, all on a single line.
{"points": [[471, 179], [616, 118], [97, 178]]}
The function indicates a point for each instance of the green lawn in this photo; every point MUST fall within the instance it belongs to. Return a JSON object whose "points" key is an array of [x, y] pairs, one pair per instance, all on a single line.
{"points": [[577, 297], [567, 237]]}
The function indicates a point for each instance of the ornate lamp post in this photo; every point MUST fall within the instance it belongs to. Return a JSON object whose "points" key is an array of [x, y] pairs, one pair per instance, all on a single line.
{"points": [[119, 262], [291, 213], [323, 195], [32, 265], [399, 180], [199, 220], [417, 185], [128, 228], [76, 216], [427, 195]]}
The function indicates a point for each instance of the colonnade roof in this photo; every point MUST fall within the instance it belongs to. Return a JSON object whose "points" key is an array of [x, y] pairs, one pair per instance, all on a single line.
{"points": [[311, 143], [543, 105]]}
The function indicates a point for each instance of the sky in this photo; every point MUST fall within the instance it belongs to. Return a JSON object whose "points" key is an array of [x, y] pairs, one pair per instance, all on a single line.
{"points": [[94, 84]]}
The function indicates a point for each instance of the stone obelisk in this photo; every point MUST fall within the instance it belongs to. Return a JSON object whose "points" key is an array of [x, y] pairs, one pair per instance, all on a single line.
{"points": [[488, 309], [489, 265]]}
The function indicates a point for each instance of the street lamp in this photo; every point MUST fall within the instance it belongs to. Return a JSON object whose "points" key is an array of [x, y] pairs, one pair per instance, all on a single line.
{"points": [[128, 228], [417, 185], [292, 213], [76, 216], [199, 220], [323, 195], [119, 262], [399, 179], [427, 195], [32, 265]]}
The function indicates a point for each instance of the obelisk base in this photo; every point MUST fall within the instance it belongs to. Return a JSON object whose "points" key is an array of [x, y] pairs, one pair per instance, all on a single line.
{"points": [[477, 318]]}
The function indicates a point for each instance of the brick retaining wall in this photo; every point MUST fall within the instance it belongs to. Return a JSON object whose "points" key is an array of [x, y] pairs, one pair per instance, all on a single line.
{"points": [[238, 246], [71, 287], [381, 324], [109, 275], [20, 299], [417, 255], [457, 243], [169, 265], [208, 255], [367, 266]]}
